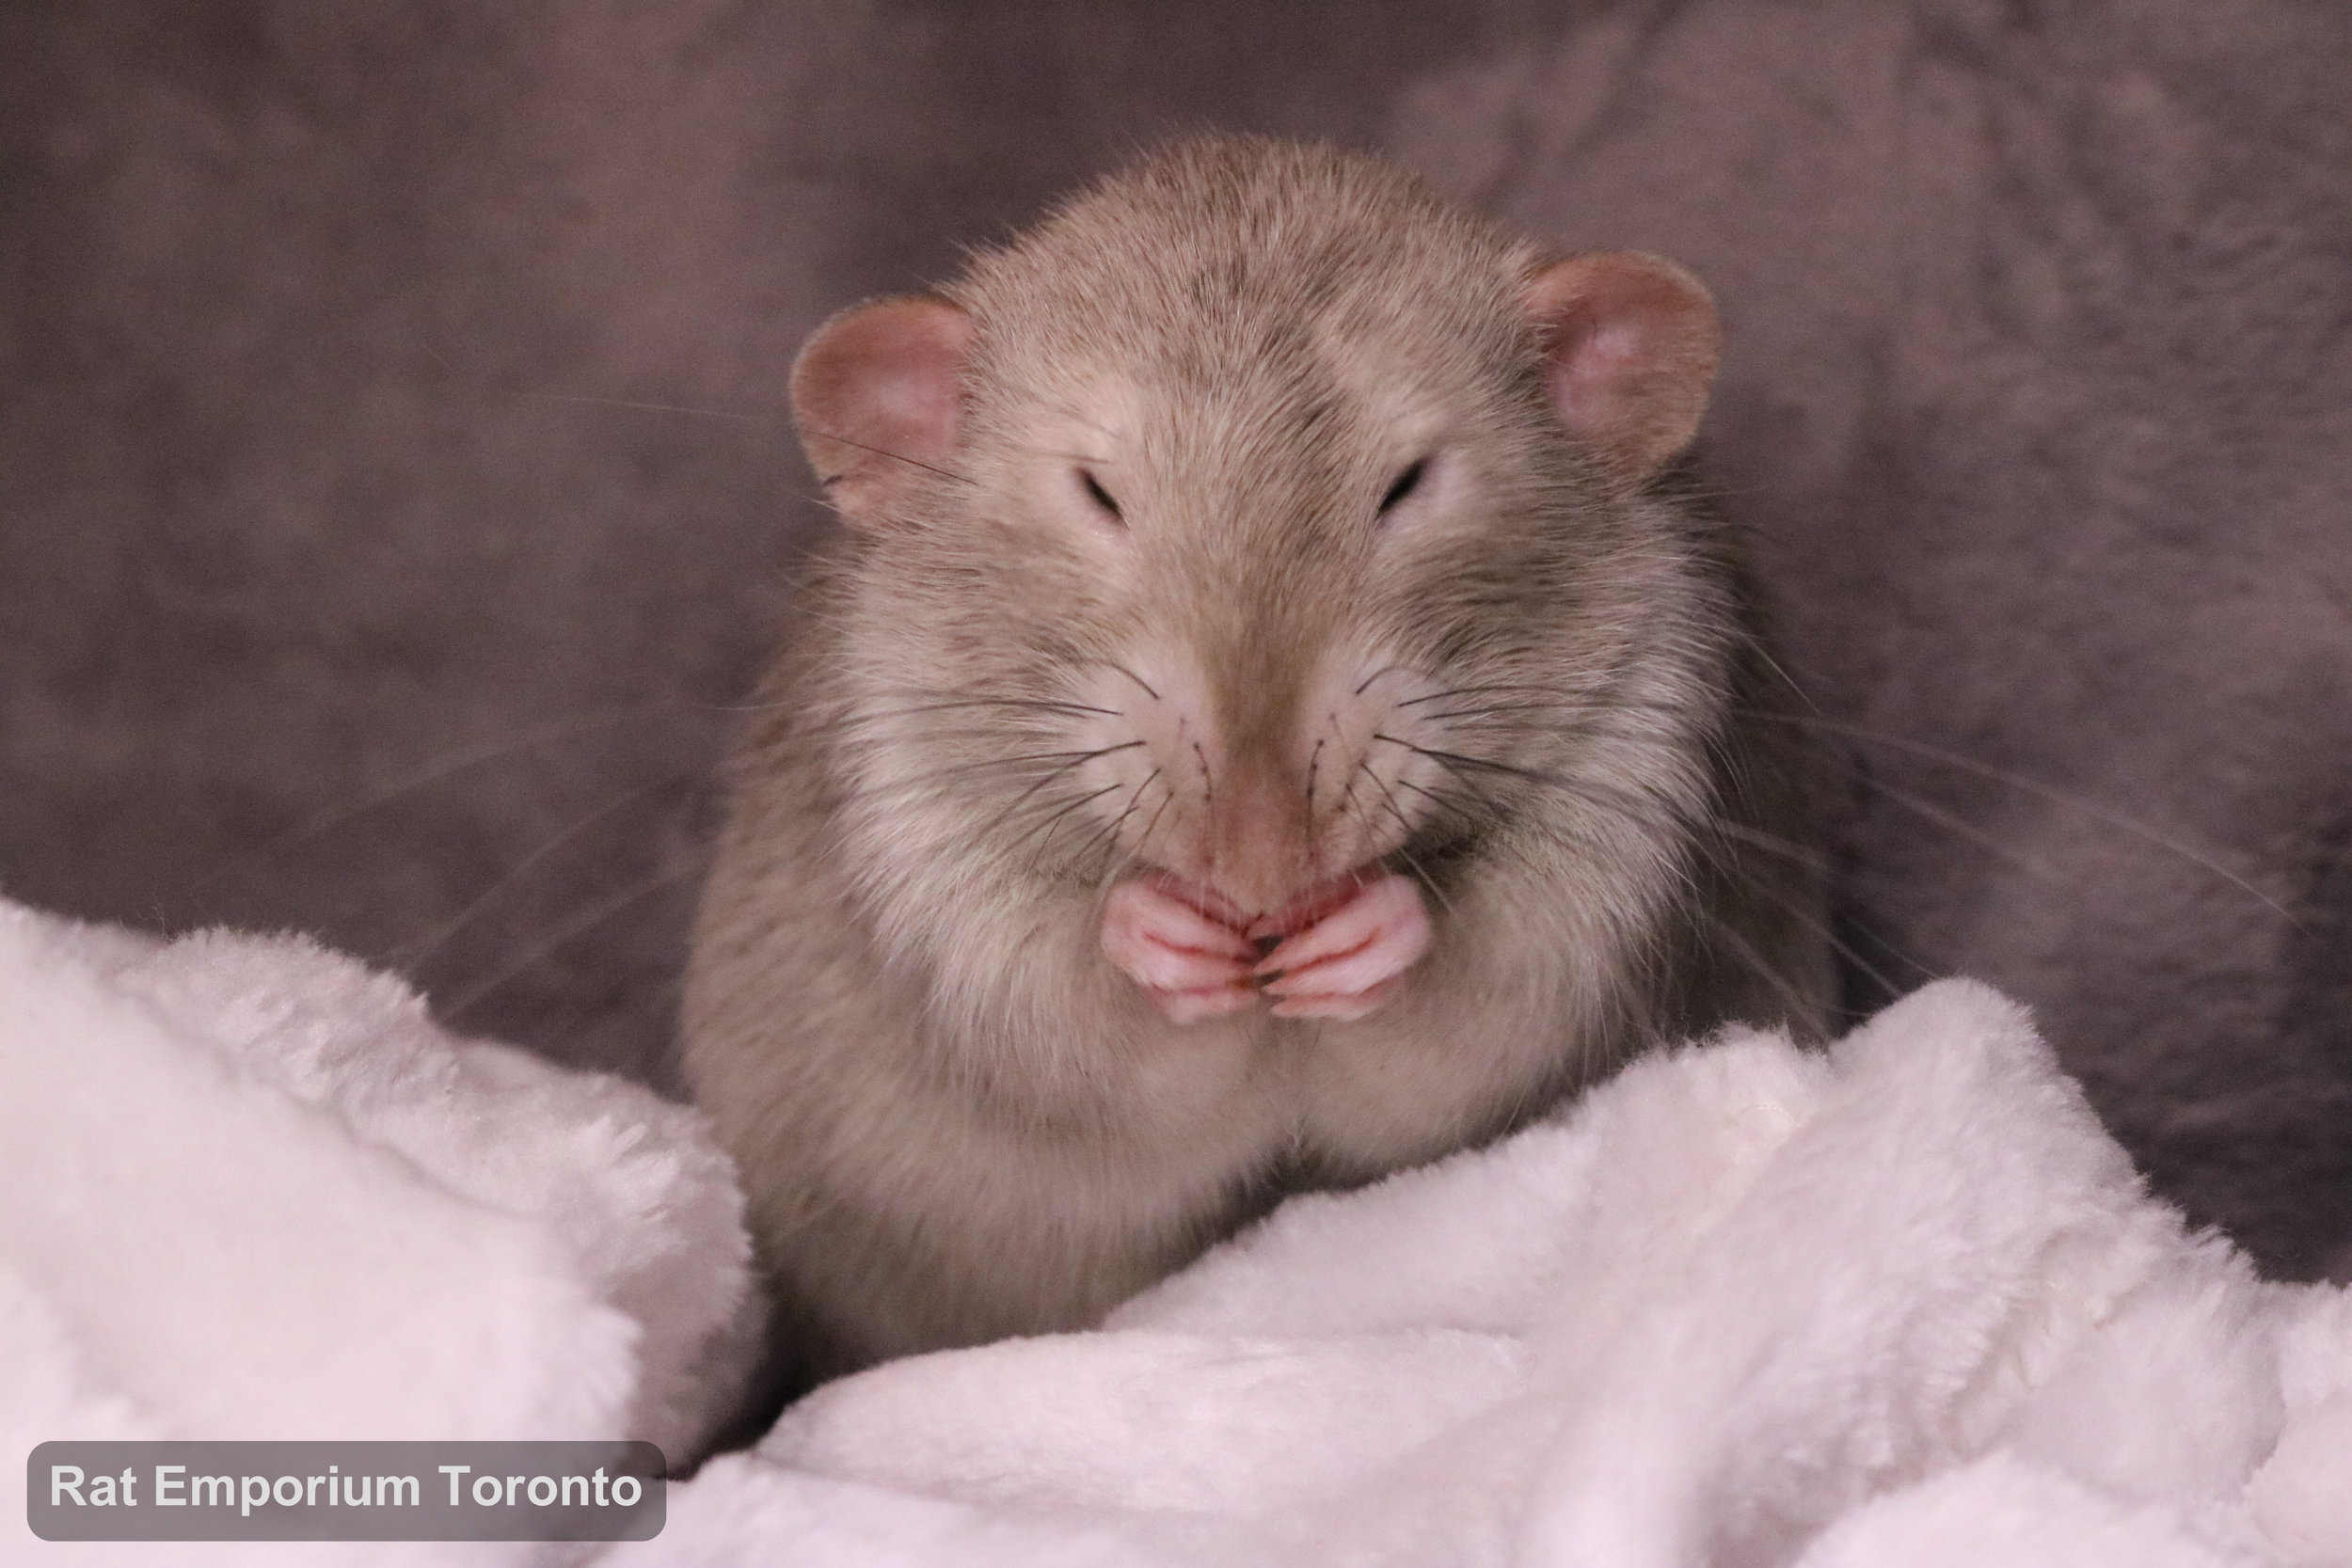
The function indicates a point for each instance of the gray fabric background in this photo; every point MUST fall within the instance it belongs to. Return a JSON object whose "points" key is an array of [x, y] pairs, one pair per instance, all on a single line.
{"points": [[321, 607]]}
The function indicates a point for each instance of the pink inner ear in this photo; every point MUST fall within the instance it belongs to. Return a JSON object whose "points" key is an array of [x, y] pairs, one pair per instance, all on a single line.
{"points": [[1595, 366], [1629, 347], [878, 391], [905, 393]]}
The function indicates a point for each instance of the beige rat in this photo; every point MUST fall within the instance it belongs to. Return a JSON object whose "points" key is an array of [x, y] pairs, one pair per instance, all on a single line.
{"points": [[1276, 713]]}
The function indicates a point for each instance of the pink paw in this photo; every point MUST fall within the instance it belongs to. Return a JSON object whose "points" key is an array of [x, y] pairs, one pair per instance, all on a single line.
{"points": [[1191, 965], [1343, 963]]}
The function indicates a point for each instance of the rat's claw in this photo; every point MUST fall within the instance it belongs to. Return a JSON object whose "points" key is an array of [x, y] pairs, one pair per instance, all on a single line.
{"points": [[1344, 965], [1191, 966]]}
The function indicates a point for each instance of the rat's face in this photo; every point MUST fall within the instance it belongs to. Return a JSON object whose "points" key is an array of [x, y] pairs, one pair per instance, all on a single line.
{"points": [[1264, 558], [1261, 597]]}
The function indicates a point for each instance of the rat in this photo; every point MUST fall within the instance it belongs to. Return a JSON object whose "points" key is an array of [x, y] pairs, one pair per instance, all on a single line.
{"points": [[1277, 709]]}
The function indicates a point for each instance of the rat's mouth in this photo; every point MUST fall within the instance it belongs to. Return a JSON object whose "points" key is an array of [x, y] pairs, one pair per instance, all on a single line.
{"points": [[1265, 927]]}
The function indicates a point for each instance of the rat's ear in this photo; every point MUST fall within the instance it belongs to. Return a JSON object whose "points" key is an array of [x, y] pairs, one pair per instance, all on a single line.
{"points": [[1629, 347], [877, 394]]}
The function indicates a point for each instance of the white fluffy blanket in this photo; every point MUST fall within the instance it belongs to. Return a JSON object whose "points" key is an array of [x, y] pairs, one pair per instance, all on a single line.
{"points": [[1903, 1304]]}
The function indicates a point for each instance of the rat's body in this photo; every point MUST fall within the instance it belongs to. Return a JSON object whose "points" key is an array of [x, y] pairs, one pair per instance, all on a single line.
{"points": [[1257, 554]]}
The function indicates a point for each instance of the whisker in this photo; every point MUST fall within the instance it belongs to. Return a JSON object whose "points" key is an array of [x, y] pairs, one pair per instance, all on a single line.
{"points": [[1117, 822], [1065, 762], [1771, 843], [648, 407], [1796, 909], [446, 765], [1763, 653], [1023, 705], [1041, 783], [1473, 690], [1661, 810], [578, 925], [1442, 804], [1137, 679], [418, 950], [1959, 826], [2041, 791], [1168, 799], [1047, 825], [1799, 1007], [894, 457], [1457, 760], [1919, 805], [1525, 708], [1421, 872]]}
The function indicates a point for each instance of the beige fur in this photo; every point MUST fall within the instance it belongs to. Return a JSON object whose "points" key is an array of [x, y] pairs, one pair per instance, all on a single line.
{"points": [[955, 1119]]}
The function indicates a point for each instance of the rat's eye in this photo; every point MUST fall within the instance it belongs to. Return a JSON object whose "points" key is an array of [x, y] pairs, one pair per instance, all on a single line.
{"points": [[1099, 496], [1406, 484]]}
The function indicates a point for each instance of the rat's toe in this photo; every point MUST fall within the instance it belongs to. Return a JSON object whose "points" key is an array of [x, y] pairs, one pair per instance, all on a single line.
{"points": [[1344, 965], [1191, 966]]}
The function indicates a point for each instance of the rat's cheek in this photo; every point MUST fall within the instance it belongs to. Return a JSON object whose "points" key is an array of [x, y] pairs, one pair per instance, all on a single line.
{"points": [[1346, 964]]}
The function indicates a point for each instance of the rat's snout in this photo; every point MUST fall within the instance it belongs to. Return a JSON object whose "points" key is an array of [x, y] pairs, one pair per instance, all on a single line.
{"points": [[1262, 784], [1259, 844], [1258, 795], [1219, 803]]}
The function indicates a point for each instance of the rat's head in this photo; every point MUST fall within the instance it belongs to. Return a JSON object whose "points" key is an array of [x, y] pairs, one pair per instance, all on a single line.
{"points": [[1285, 525]]}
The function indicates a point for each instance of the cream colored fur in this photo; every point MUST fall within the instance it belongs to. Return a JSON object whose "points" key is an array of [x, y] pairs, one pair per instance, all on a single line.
{"points": [[956, 1119]]}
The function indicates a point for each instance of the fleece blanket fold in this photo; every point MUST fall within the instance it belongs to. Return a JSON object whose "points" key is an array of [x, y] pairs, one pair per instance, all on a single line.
{"points": [[1902, 1302], [252, 1191]]}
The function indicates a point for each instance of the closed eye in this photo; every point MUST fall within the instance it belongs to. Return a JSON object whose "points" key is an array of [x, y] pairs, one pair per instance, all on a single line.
{"points": [[1099, 496], [1406, 484]]}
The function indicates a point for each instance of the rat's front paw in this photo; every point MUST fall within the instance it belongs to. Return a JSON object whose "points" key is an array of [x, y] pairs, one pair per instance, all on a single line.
{"points": [[1345, 963], [1191, 966]]}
